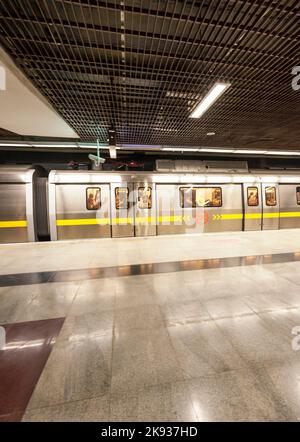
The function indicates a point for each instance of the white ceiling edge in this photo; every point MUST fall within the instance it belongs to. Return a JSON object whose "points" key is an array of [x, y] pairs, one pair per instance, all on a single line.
{"points": [[23, 109]]}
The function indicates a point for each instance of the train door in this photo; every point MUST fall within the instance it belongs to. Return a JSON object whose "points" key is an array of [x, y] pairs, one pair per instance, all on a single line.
{"points": [[122, 210], [270, 198], [145, 209], [82, 211], [252, 206], [289, 195]]}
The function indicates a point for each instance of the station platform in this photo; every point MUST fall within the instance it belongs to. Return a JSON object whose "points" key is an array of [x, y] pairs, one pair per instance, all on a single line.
{"points": [[166, 328]]}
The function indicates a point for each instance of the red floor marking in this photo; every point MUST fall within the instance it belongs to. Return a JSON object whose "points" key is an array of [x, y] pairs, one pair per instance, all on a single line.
{"points": [[27, 348]]}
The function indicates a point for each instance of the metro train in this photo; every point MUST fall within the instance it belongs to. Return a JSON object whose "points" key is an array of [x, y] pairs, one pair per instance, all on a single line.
{"points": [[72, 204]]}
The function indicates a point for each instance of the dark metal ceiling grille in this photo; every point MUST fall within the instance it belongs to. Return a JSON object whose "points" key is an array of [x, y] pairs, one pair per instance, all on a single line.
{"points": [[141, 66]]}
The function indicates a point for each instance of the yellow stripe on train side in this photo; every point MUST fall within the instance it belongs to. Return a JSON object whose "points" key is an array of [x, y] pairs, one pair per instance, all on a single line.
{"points": [[231, 216], [173, 218], [102, 221], [259, 215], [271, 215], [121, 221], [289, 214], [118, 221], [82, 222], [145, 219], [12, 224], [154, 219], [151, 219], [253, 216]]}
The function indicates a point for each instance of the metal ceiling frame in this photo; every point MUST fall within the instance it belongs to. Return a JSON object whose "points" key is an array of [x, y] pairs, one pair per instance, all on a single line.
{"points": [[141, 66]]}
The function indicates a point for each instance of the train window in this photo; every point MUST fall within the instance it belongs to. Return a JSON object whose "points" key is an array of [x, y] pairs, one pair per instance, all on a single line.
{"points": [[144, 197], [298, 195], [252, 196], [121, 194], [271, 199], [186, 196], [93, 198], [200, 197], [208, 197]]}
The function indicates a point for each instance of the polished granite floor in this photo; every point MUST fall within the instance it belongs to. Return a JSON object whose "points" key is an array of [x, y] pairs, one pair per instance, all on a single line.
{"points": [[193, 343]]}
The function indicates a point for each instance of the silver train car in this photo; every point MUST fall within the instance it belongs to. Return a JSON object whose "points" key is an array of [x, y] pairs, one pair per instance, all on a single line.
{"points": [[23, 204], [84, 204], [126, 204]]}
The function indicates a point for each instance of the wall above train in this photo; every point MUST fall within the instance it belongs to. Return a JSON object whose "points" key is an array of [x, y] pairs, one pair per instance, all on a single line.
{"points": [[200, 166], [129, 161]]}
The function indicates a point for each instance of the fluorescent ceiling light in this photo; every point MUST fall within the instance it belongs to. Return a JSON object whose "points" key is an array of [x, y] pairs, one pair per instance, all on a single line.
{"points": [[247, 151], [139, 146], [15, 145], [216, 91], [145, 146], [94, 146], [286, 152], [54, 145], [179, 149], [217, 150]]}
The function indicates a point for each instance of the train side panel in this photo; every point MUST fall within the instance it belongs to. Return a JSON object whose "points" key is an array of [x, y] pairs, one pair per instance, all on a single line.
{"points": [[214, 208], [289, 206], [122, 209], [19, 205], [13, 219], [270, 198], [252, 199], [82, 211]]}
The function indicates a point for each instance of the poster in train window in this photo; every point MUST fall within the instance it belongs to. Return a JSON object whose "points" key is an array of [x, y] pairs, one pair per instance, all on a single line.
{"points": [[93, 198], [208, 197], [271, 199], [252, 196], [200, 197], [144, 197], [298, 195], [121, 194]]}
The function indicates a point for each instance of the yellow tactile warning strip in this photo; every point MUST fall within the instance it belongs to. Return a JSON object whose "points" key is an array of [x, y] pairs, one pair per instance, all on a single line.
{"points": [[10, 224], [171, 219]]}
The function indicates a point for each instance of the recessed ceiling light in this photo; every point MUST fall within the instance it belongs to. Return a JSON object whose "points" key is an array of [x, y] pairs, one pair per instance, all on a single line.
{"points": [[216, 91], [210, 134]]}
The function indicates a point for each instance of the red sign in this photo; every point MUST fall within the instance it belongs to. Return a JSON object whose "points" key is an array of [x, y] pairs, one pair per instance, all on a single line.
{"points": [[202, 219]]}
